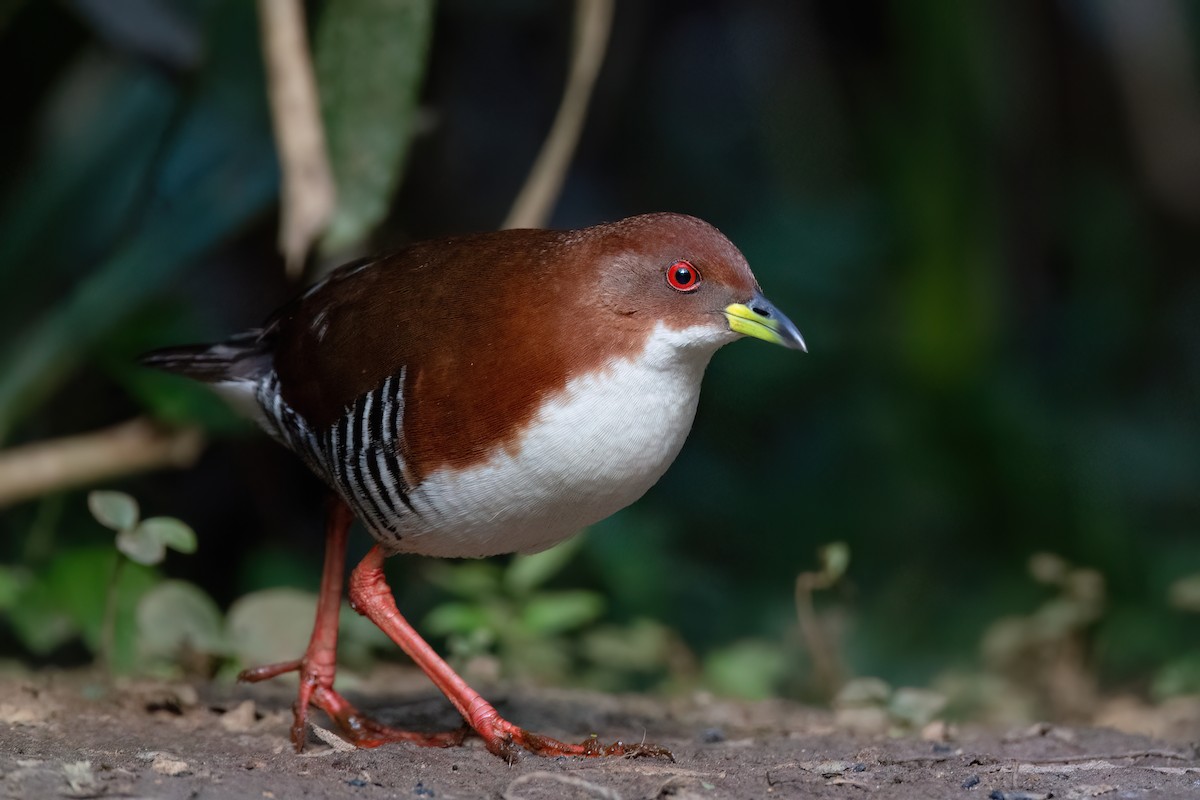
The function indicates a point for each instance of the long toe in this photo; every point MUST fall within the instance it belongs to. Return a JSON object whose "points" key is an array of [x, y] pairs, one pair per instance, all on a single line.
{"points": [[589, 748], [362, 731]]}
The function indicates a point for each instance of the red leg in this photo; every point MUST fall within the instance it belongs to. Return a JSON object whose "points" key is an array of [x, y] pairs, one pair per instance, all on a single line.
{"points": [[371, 596], [319, 664]]}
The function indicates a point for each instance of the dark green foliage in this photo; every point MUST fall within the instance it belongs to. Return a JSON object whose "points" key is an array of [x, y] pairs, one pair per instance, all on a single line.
{"points": [[956, 205]]}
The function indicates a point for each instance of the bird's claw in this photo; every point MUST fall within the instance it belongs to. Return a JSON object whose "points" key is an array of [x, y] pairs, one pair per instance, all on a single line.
{"points": [[592, 747], [316, 688], [507, 744]]}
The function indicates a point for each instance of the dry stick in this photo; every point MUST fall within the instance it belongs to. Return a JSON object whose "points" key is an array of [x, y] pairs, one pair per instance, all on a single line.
{"points": [[593, 20], [138, 445], [1154, 69], [824, 659], [309, 192]]}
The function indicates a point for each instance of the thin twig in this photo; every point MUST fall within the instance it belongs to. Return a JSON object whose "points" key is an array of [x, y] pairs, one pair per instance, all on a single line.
{"points": [[309, 192], [826, 673], [593, 21], [138, 445]]}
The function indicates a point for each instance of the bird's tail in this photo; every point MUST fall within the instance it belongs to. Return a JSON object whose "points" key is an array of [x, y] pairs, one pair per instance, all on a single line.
{"points": [[245, 357]]}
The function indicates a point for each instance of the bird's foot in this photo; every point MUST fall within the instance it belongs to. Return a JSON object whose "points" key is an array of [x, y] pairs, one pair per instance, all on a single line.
{"points": [[362, 731], [507, 740], [371, 596], [316, 688]]}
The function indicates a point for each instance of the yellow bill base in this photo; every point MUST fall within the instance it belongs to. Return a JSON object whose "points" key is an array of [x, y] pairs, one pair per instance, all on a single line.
{"points": [[743, 320]]}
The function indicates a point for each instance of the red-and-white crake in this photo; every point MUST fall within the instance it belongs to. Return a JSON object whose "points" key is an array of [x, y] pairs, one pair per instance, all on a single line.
{"points": [[480, 395]]}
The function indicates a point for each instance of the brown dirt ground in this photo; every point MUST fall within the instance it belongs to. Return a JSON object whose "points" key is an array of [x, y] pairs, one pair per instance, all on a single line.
{"points": [[66, 735]]}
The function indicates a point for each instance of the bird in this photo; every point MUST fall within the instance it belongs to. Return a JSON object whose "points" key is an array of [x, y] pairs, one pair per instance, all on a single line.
{"points": [[479, 395]]}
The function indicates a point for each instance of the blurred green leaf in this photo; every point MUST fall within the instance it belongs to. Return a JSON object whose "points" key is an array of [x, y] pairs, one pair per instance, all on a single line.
{"points": [[1048, 568], [643, 645], [915, 706], [1179, 676], [54, 345], [1184, 594], [537, 660], [750, 669], [461, 648], [863, 692], [275, 625], [370, 60], [141, 546], [461, 618], [216, 173], [173, 533], [551, 613], [835, 560], [82, 176], [175, 615], [40, 621], [359, 638], [67, 597], [271, 625], [469, 579], [526, 573], [115, 510], [13, 582]]}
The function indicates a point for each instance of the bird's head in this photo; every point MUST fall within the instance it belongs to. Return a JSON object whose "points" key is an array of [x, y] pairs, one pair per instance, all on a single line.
{"points": [[683, 272]]}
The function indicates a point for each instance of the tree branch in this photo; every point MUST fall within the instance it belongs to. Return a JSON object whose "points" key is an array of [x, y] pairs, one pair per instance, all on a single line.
{"points": [[138, 445], [593, 21]]}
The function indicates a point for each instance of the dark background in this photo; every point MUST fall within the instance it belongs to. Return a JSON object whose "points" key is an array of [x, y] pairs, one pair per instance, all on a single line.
{"points": [[983, 217]]}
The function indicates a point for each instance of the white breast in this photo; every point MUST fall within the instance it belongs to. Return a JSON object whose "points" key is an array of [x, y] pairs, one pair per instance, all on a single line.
{"points": [[591, 451]]}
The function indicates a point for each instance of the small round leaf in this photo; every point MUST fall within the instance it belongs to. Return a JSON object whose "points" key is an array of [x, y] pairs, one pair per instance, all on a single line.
{"points": [[175, 615], [1185, 594], [835, 560], [13, 582], [115, 510], [450, 617], [270, 625], [173, 533], [141, 547], [527, 572], [552, 613]]}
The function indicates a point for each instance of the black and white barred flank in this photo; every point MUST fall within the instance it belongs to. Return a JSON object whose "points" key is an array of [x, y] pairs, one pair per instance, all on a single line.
{"points": [[358, 455]]}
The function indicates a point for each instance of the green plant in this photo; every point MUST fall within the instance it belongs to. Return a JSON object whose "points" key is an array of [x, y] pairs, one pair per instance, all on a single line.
{"points": [[505, 621], [144, 541], [131, 618], [141, 541], [826, 661], [179, 625], [1181, 674], [507, 612], [1040, 663]]}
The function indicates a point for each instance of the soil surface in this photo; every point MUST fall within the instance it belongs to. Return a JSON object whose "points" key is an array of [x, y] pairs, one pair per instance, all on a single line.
{"points": [[70, 735]]}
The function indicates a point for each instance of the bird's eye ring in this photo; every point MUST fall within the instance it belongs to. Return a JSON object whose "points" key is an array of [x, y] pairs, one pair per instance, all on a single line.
{"points": [[682, 276]]}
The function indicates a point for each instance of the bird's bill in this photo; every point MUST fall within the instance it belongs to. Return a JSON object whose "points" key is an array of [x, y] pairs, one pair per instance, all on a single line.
{"points": [[762, 320]]}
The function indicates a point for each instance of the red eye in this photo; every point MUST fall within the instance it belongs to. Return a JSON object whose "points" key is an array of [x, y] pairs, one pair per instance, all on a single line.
{"points": [[683, 276]]}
